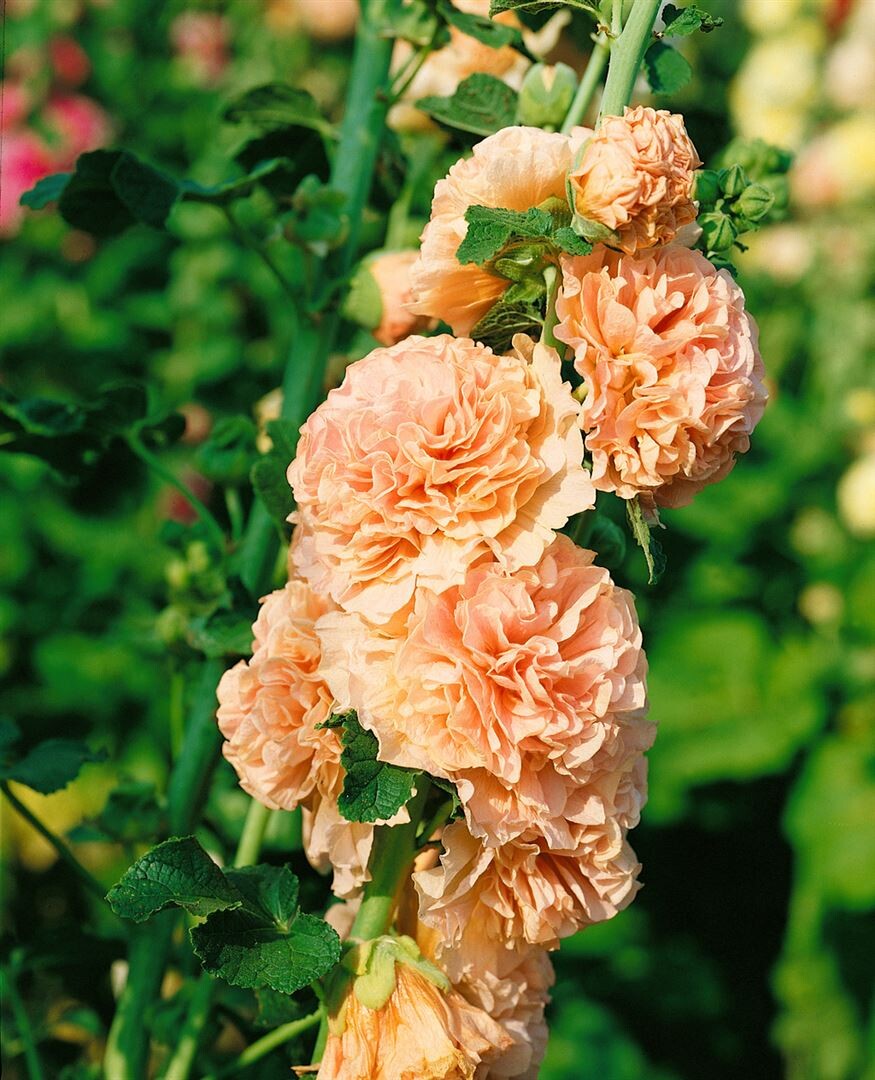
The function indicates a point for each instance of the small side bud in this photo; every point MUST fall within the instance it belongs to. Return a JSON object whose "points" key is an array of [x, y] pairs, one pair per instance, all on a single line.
{"points": [[754, 202], [546, 95], [733, 181], [706, 189], [718, 231]]}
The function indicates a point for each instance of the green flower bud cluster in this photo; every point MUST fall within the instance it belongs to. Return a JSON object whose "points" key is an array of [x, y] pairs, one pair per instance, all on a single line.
{"points": [[748, 190]]}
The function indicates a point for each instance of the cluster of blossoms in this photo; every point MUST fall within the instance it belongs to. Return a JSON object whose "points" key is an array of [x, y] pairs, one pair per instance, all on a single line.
{"points": [[432, 592]]}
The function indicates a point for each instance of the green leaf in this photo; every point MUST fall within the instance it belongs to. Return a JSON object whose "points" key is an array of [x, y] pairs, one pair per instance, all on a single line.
{"points": [[481, 105], [295, 152], [284, 436], [569, 242], [119, 408], [45, 191], [653, 553], [682, 21], [591, 7], [223, 634], [372, 790], [416, 22], [490, 33], [275, 1008], [519, 311], [608, 540], [266, 943], [277, 105], [112, 190], [268, 478], [491, 228], [40, 416], [667, 71], [52, 764], [228, 190], [317, 221], [179, 872], [228, 454]]}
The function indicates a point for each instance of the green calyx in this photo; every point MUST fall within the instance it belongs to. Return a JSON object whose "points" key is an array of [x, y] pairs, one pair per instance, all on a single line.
{"points": [[374, 963]]}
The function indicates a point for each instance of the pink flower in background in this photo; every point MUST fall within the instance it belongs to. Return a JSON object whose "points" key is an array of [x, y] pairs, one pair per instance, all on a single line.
{"points": [[80, 124], [636, 177], [17, 103], [673, 374], [69, 60], [25, 159], [202, 40], [517, 168], [270, 706], [433, 454]]}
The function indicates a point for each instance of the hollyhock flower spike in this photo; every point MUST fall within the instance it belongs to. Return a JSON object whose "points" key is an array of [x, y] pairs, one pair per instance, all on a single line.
{"points": [[671, 364], [431, 455], [517, 168], [633, 185]]}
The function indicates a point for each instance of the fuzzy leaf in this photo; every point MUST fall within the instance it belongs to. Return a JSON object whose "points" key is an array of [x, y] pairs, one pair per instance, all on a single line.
{"points": [[266, 943], [667, 71], [491, 228], [481, 105], [277, 105], [269, 481], [224, 633], [519, 311], [682, 21], [372, 790], [178, 871], [572, 244], [591, 7]]}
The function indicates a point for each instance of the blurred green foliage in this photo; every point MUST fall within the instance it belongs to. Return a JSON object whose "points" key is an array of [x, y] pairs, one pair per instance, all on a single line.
{"points": [[749, 951]]}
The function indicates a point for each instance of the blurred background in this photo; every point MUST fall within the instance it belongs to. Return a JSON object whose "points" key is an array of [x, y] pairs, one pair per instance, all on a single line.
{"points": [[749, 951]]}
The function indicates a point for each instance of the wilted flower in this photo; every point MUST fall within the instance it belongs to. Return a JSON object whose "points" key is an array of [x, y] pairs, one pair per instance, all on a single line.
{"points": [[517, 168], [270, 706], [673, 374], [635, 178], [431, 455]]}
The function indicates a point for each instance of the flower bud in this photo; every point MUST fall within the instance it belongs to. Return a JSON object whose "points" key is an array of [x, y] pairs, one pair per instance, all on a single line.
{"points": [[733, 181], [754, 202], [706, 188], [718, 231], [546, 95]]}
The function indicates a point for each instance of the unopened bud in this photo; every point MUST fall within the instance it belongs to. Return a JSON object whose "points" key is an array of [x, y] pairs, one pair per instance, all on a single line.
{"points": [[754, 202], [707, 187], [733, 181], [546, 95], [717, 231]]}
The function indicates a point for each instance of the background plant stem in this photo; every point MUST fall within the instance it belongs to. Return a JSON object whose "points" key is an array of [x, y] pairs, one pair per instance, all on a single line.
{"points": [[589, 82]]}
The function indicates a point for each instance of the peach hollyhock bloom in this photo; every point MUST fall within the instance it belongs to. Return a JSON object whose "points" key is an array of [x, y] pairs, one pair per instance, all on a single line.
{"points": [[635, 177], [424, 1031], [391, 271], [673, 374], [269, 706], [524, 891], [432, 454], [333, 844], [517, 168], [445, 68], [525, 688]]}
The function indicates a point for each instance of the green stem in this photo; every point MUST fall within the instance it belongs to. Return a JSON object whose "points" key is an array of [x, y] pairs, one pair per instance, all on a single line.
{"points": [[235, 512], [245, 238], [25, 1031], [212, 526], [627, 52], [267, 1043], [188, 1041], [589, 83], [176, 710], [553, 280], [60, 847]]}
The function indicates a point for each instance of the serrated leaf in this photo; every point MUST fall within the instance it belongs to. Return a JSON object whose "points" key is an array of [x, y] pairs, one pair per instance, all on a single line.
{"points": [[591, 7], [653, 553], [178, 872], [519, 311], [667, 71], [52, 764], [278, 105], [481, 105], [372, 790], [491, 228], [682, 21], [268, 477], [569, 242], [266, 943], [45, 191], [495, 35]]}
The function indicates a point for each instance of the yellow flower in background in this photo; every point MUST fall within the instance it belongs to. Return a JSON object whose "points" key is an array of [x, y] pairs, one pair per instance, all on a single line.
{"points": [[838, 166], [856, 497]]}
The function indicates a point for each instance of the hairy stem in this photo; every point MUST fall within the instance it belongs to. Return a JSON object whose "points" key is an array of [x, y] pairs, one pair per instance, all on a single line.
{"points": [[627, 52], [65, 854]]}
